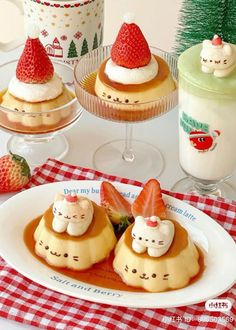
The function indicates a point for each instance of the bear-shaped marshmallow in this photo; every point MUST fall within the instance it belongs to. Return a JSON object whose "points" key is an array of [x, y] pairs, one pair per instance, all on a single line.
{"points": [[72, 214], [217, 57], [152, 235]]}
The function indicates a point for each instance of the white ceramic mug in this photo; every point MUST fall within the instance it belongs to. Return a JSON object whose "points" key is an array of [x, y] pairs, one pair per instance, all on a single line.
{"points": [[68, 29]]}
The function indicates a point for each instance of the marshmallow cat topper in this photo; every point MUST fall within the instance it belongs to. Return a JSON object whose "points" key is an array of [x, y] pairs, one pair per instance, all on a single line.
{"points": [[153, 235], [217, 57], [72, 214]]}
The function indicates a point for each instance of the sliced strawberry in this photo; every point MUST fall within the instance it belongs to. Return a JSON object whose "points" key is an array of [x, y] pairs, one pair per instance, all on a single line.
{"points": [[117, 207], [149, 202], [130, 49]]}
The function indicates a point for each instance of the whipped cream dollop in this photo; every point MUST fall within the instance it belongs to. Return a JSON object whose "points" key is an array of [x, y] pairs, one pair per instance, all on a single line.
{"points": [[135, 76], [36, 92]]}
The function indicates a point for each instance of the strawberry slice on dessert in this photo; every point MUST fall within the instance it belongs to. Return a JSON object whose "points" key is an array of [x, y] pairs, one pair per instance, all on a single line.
{"points": [[117, 207], [149, 202]]}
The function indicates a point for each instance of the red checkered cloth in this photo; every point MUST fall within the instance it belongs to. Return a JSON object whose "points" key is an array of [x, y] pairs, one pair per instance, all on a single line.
{"points": [[27, 302]]}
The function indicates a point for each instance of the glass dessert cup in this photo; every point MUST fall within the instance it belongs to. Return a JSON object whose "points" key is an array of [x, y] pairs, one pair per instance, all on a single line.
{"points": [[130, 158], [207, 122], [197, 186], [37, 135]]}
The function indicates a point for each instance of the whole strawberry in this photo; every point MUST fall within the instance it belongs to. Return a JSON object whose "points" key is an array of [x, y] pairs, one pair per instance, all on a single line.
{"points": [[130, 49], [14, 173], [34, 65]]}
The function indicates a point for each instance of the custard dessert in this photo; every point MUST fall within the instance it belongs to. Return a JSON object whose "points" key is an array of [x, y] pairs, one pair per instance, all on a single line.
{"points": [[155, 253], [35, 92], [132, 75], [74, 233]]}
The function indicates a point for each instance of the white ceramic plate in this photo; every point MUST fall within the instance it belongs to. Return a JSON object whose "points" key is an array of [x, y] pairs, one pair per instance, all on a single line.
{"points": [[219, 247]]}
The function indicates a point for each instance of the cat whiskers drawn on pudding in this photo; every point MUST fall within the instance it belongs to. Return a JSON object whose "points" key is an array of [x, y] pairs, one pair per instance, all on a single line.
{"points": [[165, 277], [75, 258]]}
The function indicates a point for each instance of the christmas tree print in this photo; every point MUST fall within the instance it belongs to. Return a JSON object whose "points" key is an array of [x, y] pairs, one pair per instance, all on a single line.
{"points": [[84, 49], [95, 41], [72, 50], [101, 37], [201, 19]]}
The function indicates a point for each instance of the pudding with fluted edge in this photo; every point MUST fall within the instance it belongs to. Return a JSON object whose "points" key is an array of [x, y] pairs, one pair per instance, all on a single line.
{"points": [[155, 253], [36, 100], [74, 233]]}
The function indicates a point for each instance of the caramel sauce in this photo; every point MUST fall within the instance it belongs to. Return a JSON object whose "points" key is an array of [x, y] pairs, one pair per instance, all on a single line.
{"points": [[102, 274], [163, 72], [126, 112], [20, 128]]}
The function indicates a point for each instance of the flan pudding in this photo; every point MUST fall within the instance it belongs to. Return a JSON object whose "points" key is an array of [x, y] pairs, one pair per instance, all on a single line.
{"points": [[74, 233], [160, 85], [132, 76], [34, 94], [155, 253]]}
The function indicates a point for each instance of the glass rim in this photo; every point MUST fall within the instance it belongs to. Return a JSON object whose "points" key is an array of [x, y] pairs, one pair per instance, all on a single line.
{"points": [[111, 103], [74, 100]]}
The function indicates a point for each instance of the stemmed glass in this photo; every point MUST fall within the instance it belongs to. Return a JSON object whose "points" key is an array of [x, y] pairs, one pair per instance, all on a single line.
{"points": [[37, 136], [127, 157]]}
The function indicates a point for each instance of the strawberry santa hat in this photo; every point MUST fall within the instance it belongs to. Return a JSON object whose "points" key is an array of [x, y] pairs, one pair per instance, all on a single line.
{"points": [[72, 198], [217, 41], [152, 222], [34, 65], [130, 49]]}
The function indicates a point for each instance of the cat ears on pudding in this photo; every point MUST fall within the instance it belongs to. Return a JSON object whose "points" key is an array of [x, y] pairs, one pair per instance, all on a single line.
{"points": [[149, 202], [59, 197], [71, 198], [152, 222]]}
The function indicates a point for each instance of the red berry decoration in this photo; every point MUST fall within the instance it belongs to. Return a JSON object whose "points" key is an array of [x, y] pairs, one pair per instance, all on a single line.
{"points": [[14, 173], [34, 65], [130, 49], [71, 198], [216, 41]]}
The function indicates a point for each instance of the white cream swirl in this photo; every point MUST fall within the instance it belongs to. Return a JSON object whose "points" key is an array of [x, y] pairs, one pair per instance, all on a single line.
{"points": [[135, 76], [36, 92]]}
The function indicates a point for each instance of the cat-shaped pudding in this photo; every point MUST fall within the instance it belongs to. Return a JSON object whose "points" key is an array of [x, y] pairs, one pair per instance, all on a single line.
{"points": [[72, 214], [152, 235], [217, 57]]}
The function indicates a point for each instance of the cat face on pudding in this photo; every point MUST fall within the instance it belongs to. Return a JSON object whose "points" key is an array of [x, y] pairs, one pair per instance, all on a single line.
{"points": [[152, 235], [145, 276], [217, 57], [78, 211], [72, 214]]}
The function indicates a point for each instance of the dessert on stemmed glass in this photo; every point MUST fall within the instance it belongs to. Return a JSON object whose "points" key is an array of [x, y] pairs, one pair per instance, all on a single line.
{"points": [[35, 88], [127, 82], [132, 74], [37, 102]]}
